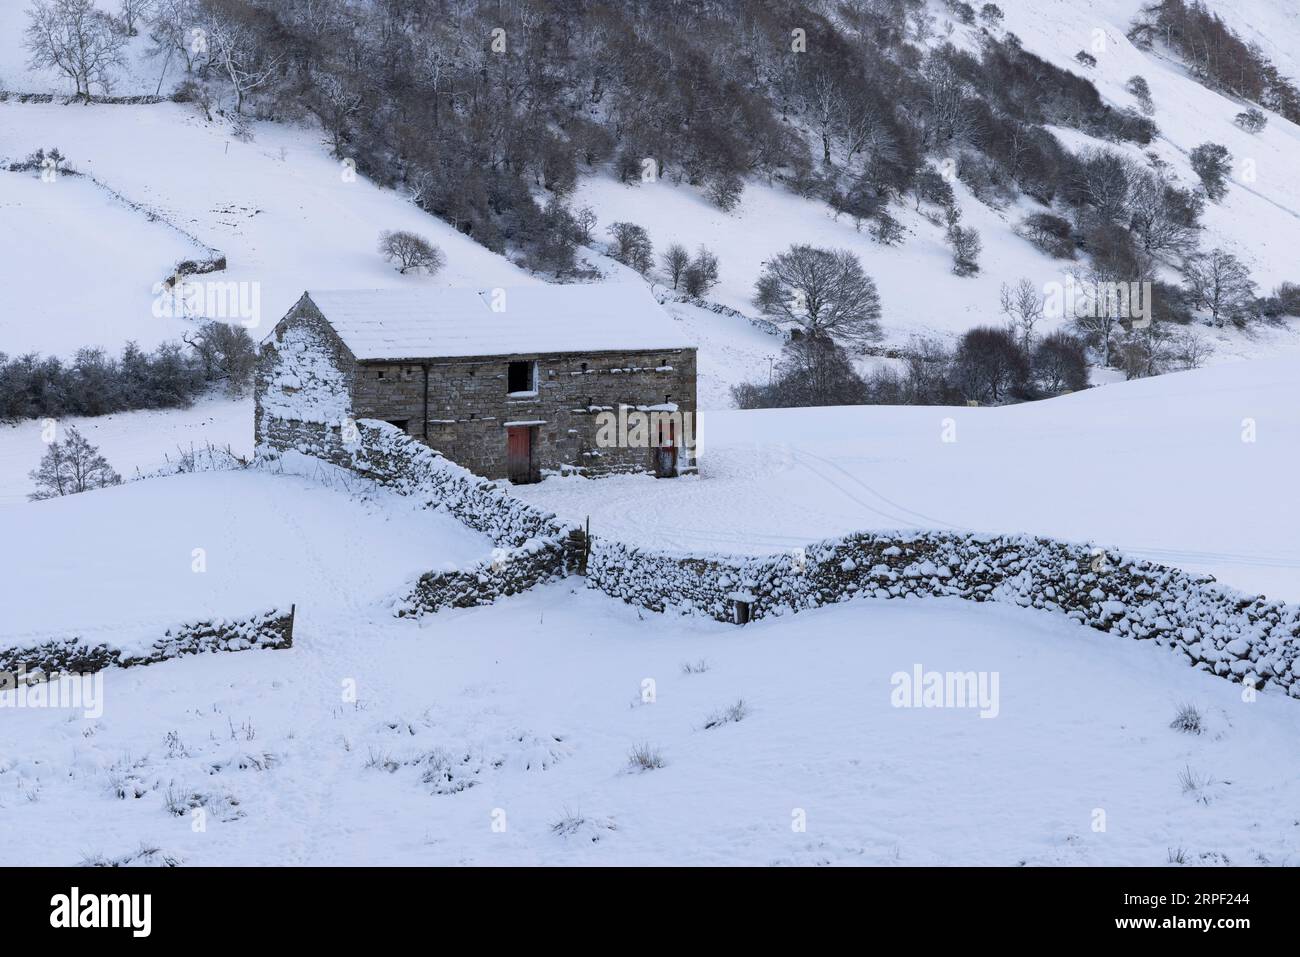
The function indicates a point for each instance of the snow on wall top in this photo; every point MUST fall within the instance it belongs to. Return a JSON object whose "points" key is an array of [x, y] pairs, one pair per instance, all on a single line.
{"points": [[514, 320]]}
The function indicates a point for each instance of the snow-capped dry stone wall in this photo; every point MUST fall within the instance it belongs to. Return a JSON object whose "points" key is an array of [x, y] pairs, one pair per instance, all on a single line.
{"points": [[42, 657]]}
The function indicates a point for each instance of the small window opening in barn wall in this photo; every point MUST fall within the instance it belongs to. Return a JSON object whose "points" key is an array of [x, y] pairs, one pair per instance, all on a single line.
{"points": [[521, 378], [379, 374], [399, 423]]}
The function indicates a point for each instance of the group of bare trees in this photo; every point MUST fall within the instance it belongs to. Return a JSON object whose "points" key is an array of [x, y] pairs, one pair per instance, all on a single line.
{"points": [[215, 355], [1215, 54]]}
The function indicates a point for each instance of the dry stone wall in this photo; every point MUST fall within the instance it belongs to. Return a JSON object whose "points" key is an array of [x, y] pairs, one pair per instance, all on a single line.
{"points": [[1214, 628], [43, 657]]}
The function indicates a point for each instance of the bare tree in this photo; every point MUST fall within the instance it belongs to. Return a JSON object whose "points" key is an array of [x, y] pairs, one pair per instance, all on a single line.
{"points": [[71, 466], [76, 39], [227, 354], [1213, 164], [1023, 307], [701, 274], [172, 31], [632, 246], [132, 12], [584, 221], [1220, 283], [236, 51], [409, 251], [675, 260], [990, 366], [823, 290], [966, 247]]}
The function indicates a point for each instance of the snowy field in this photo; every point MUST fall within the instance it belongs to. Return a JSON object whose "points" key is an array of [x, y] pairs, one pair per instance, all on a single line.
{"points": [[501, 735], [1157, 467], [119, 555]]}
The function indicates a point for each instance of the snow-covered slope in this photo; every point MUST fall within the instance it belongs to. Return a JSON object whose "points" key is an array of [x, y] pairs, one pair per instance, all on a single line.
{"points": [[285, 214], [190, 547], [501, 736], [1195, 469]]}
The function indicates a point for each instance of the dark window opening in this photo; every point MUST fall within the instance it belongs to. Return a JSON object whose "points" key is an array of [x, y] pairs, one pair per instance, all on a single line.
{"points": [[740, 611], [519, 377], [399, 423], [379, 374]]}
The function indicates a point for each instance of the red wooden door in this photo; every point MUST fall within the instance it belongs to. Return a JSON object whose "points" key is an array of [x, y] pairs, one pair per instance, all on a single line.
{"points": [[519, 454]]}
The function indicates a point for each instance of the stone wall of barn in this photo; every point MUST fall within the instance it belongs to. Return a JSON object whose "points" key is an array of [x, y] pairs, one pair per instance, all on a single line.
{"points": [[470, 406]]}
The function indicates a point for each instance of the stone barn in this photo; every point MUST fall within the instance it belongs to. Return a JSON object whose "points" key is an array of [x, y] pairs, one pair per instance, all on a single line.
{"points": [[508, 382]]}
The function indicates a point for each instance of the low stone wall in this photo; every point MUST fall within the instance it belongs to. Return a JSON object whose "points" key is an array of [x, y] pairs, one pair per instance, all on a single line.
{"points": [[142, 99], [509, 572], [43, 657], [1214, 628]]}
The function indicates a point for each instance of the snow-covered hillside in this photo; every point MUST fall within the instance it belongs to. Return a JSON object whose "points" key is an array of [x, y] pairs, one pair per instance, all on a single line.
{"points": [[1259, 221], [285, 214], [501, 735]]}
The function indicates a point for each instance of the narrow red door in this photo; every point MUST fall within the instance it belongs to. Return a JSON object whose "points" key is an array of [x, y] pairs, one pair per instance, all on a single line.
{"points": [[519, 454]]}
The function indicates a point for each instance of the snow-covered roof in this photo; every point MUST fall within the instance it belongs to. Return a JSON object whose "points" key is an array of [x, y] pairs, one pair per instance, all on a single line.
{"points": [[514, 320]]}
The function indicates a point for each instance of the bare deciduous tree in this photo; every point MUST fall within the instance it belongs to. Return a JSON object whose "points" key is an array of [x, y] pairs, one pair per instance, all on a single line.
{"points": [[823, 290], [1220, 283], [1023, 307], [675, 260], [632, 246], [75, 38], [409, 251], [235, 49], [701, 273], [71, 466]]}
